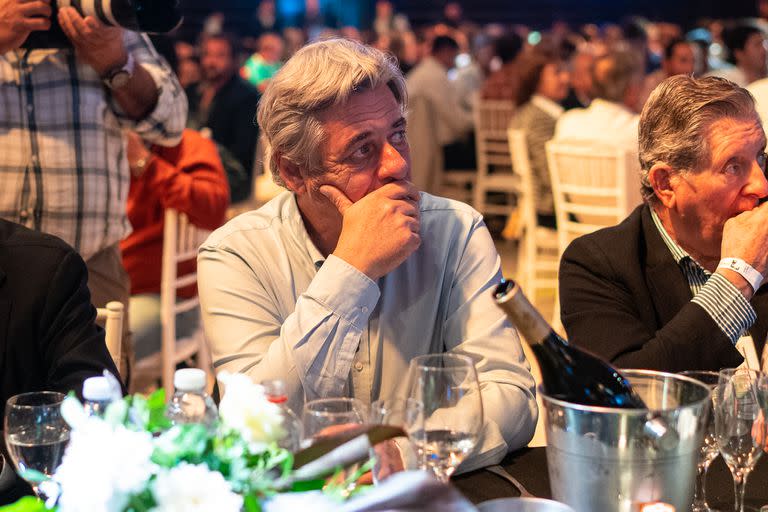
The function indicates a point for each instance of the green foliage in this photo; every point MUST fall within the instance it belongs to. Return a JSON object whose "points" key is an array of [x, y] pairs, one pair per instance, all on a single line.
{"points": [[26, 504]]}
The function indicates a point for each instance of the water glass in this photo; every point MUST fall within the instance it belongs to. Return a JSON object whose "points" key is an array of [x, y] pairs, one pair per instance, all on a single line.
{"points": [[739, 399], [400, 453], [447, 386], [709, 450], [327, 417], [36, 435]]}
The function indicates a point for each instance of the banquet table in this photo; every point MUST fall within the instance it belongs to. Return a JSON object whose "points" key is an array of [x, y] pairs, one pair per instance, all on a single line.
{"points": [[529, 467]]}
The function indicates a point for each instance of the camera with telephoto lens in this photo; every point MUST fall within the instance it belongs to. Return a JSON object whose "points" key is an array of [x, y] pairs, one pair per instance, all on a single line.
{"points": [[151, 16]]}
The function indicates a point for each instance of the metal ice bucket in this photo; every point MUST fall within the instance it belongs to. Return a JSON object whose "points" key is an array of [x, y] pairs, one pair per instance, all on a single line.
{"points": [[612, 460]]}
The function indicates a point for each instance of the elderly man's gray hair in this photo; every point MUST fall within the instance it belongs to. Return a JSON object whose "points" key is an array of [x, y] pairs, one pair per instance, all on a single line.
{"points": [[319, 76], [676, 118]]}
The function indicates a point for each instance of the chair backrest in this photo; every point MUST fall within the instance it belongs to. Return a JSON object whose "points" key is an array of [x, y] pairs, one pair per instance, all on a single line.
{"points": [[492, 118], [181, 239], [593, 186], [111, 315], [521, 162]]}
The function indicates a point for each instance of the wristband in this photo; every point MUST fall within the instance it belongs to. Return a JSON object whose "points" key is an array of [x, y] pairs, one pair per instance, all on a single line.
{"points": [[744, 269]]}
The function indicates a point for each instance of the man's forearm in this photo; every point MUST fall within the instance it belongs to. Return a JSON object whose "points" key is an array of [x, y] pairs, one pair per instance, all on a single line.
{"points": [[139, 96]]}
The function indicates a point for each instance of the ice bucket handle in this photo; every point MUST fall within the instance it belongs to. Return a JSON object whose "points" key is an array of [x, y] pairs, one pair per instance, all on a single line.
{"points": [[663, 437]]}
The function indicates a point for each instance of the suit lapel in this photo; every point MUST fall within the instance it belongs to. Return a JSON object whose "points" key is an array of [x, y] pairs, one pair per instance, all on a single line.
{"points": [[760, 327], [668, 287]]}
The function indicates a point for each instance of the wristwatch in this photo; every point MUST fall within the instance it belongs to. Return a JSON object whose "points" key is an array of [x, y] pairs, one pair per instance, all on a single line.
{"points": [[119, 77]]}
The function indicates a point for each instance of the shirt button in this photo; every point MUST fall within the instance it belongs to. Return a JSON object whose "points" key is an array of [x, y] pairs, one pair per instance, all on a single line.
{"points": [[23, 214], [365, 309], [359, 366]]}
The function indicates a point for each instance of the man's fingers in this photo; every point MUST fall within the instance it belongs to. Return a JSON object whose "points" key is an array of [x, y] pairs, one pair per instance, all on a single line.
{"points": [[36, 8], [35, 24], [400, 190], [337, 197]]}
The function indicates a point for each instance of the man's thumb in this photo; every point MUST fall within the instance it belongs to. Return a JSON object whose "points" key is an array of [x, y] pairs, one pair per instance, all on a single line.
{"points": [[337, 197]]}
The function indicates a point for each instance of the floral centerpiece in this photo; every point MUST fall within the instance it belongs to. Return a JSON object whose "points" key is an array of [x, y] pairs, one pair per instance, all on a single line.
{"points": [[134, 460]]}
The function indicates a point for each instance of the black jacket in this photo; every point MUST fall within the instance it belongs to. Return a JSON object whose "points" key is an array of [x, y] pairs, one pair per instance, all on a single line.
{"points": [[624, 298]]}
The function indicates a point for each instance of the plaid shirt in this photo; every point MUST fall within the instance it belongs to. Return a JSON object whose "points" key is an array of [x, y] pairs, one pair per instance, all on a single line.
{"points": [[713, 292], [64, 168]]}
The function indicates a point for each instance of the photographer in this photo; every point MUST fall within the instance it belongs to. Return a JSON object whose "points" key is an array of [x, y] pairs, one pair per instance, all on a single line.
{"points": [[64, 104]]}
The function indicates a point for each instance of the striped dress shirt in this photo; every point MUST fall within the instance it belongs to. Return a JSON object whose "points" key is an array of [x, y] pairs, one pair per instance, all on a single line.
{"points": [[64, 168], [713, 292]]}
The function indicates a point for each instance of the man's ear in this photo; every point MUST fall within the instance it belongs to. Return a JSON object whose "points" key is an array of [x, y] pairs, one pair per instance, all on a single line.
{"points": [[661, 177], [290, 174]]}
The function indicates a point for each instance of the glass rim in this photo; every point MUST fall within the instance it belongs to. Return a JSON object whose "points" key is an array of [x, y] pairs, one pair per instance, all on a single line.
{"points": [[446, 356], [308, 407], [13, 401]]}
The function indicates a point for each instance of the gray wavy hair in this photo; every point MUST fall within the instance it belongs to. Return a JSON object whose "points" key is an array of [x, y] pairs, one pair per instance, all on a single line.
{"points": [[675, 120], [319, 76]]}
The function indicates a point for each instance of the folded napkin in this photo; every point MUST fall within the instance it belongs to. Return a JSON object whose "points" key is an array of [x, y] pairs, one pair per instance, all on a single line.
{"points": [[407, 491]]}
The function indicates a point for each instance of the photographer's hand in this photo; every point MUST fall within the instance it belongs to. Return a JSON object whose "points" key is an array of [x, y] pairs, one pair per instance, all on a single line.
{"points": [[102, 48], [20, 17]]}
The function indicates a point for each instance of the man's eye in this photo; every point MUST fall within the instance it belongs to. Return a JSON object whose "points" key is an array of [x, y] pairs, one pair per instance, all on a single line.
{"points": [[398, 137], [362, 152], [761, 160], [732, 168]]}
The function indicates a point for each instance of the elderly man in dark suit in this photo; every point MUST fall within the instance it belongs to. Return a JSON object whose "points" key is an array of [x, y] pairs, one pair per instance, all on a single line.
{"points": [[676, 286]]}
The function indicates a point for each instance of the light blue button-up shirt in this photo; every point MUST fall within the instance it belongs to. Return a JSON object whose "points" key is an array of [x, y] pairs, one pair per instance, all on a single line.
{"points": [[274, 307]]}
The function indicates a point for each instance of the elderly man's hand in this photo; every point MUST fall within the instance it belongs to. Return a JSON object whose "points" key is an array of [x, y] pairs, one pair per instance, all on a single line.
{"points": [[380, 230], [99, 45], [745, 236], [20, 17]]}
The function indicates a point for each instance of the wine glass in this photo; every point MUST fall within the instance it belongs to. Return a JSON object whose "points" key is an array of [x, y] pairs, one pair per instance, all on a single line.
{"points": [[447, 386], [36, 435], [400, 453], [739, 424], [709, 450], [326, 417]]}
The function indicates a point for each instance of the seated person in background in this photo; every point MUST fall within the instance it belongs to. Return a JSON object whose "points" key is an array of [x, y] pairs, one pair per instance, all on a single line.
{"points": [[746, 55], [337, 283], [262, 65], [674, 286], [678, 59], [580, 93], [543, 83], [502, 84], [48, 338], [610, 118], [188, 178]]}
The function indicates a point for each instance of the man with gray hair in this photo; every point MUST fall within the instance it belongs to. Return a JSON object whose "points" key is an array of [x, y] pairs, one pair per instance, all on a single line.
{"points": [[337, 283], [676, 286]]}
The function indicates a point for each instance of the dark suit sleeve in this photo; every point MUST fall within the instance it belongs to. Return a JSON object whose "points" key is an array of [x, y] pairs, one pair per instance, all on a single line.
{"points": [[600, 314], [72, 346]]}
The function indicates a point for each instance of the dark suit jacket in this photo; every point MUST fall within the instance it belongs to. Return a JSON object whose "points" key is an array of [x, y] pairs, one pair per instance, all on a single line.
{"points": [[624, 298], [231, 117], [48, 339]]}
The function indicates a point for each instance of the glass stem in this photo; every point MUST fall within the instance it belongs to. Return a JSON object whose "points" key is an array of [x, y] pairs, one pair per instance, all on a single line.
{"points": [[699, 492], [739, 486]]}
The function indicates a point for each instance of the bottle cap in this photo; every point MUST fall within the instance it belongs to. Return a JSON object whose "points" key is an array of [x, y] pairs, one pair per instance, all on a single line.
{"points": [[97, 389], [189, 379], [275, 390]]}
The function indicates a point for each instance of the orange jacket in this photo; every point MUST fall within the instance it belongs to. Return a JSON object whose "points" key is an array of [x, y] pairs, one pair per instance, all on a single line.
{"points": [[188, 177]]}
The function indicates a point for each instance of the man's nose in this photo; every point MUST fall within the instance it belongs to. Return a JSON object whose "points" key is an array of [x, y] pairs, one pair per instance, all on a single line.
{"points": [[394, 166], [758, 184]]}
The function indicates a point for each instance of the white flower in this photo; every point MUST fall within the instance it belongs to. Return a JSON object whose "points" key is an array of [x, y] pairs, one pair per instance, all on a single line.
{"points": [[194, 488], [103, 466], [246, 409]]}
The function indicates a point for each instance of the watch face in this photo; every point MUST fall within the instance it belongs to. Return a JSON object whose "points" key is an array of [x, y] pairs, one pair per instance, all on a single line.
{"points": [[119, 79]]}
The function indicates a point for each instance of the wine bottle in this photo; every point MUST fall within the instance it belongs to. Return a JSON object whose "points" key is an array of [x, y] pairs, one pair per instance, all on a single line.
{"points": [[568, 373]]}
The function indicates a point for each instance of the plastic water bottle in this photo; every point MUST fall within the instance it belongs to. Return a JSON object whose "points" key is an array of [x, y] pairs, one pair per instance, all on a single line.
{"points": [[97, 395], [190, 403], [275, 390]]}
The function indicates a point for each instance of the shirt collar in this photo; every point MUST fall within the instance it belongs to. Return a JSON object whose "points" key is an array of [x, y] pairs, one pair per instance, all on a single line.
{"points": [[293, 215], [679, 254], [547, 105]]}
